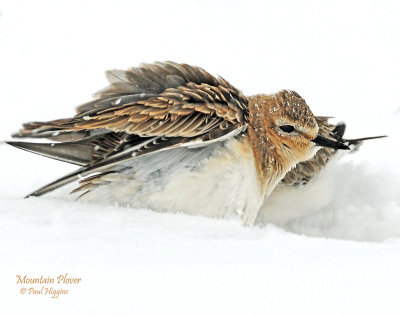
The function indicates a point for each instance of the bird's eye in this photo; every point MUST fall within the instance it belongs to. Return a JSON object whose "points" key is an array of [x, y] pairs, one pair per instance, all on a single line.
{"points": [[287, 128]]}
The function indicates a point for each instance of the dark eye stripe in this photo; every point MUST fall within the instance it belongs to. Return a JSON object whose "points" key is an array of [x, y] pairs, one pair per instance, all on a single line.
{"points": [[287, 128]]}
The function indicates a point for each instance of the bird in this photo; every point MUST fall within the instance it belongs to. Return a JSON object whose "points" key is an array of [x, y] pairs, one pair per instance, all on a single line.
{"points": [[172, 137]]}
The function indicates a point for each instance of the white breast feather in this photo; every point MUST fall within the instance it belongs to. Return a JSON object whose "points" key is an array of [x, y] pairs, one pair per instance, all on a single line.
{"points": [[218, 180]]}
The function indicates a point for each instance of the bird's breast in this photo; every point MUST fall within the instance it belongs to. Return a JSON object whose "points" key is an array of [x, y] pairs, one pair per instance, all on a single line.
{"points": [[215, 181]]}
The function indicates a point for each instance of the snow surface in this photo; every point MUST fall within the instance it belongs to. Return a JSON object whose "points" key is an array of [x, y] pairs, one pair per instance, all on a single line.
{"points": [[334, 247]]}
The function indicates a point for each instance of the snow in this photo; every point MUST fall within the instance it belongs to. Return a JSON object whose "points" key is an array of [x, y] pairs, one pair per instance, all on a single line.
{"points": [[334, 245]]}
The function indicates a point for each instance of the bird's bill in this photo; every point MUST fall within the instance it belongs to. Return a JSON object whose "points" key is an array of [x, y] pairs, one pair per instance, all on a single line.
{"points": [[325, 142]]}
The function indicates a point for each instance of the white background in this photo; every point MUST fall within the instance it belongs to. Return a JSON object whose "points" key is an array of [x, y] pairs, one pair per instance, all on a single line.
{"points": [[341, 56]]}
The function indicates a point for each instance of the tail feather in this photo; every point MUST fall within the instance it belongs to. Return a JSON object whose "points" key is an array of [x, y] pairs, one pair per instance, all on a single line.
{"points": [[74, 153], [358, 141]]}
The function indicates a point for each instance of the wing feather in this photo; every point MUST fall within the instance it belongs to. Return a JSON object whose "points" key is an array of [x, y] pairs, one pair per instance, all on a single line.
{"points": [[202, 97], [180, 104]]}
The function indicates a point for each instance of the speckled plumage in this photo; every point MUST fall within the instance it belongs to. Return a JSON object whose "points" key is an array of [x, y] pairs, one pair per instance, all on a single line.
{"points": [[160, 128]]}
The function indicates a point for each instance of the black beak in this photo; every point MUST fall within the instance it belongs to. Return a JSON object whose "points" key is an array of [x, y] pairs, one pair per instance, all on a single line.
{"points": [[325, 142]]}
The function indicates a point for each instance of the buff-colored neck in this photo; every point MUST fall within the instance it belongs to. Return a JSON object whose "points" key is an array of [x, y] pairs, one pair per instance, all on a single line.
{"points": [[268, 151]]}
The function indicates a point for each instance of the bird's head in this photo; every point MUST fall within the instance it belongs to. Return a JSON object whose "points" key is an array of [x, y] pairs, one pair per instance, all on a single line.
{"points": [[285, 128]]}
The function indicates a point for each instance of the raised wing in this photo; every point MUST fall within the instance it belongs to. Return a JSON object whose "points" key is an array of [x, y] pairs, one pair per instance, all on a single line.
{"points": [[166, 99], [153, 107]]}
